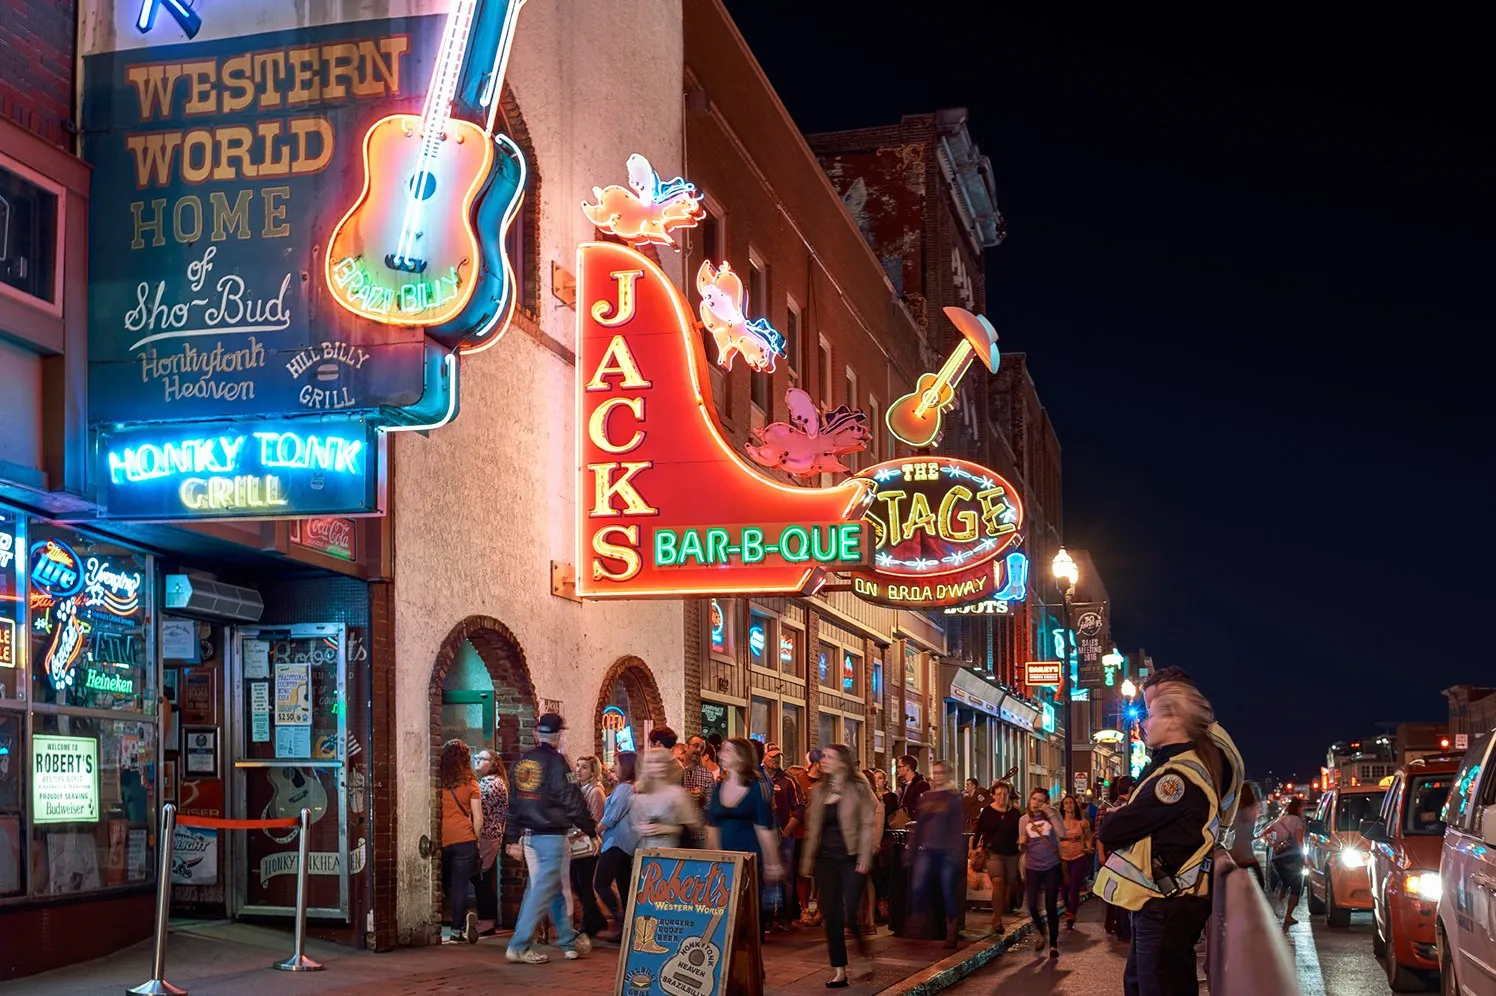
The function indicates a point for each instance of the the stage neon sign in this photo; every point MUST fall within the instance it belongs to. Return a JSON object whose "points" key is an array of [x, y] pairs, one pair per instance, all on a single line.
{"points": [[665, 506], [938, 527]]}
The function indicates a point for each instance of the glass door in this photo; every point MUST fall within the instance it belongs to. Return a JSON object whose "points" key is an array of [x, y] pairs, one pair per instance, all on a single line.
{"points": [[289, 755], [468, 715]]}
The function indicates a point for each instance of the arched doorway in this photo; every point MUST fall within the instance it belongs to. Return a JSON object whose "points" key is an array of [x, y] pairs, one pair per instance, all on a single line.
{"points": [[628, 707], [480, 692]]}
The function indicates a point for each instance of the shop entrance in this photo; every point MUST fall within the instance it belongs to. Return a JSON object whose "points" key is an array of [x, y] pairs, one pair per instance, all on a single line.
{"points": [[482, 694]]}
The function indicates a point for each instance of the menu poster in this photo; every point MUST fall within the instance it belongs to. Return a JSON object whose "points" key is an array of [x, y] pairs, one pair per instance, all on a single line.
{"points": [[256, 658], [197, 700], [692, 925], [293, 695], [293, 742]]}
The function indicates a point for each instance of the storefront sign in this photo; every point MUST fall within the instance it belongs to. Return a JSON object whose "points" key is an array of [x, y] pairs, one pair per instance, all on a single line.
{"points": [[253, 251], [334, 537], [1046, 717], [681, 931], [64, 779], [666, 506], [220, 470], [1108, 737], [939, 527], [12, 605], [1047, 673]]}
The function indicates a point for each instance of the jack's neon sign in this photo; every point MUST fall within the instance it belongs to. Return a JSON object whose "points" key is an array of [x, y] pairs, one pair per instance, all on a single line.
{"points": [[938, 527], [666, 506]]}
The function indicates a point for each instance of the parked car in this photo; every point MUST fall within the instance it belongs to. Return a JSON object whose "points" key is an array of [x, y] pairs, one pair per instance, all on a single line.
{"points": [[1338, 880], [1466, 920], [1405, 840]]}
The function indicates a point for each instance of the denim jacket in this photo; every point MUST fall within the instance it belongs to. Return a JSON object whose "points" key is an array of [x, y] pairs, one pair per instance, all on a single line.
{"points": [[619, 830]]}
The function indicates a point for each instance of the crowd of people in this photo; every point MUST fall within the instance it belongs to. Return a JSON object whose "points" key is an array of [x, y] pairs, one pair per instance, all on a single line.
{"points": [[818, 831]]}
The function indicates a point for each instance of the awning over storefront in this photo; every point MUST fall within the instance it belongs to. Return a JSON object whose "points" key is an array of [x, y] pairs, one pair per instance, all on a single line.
{"points": [[973, 691], [1019, 713]]}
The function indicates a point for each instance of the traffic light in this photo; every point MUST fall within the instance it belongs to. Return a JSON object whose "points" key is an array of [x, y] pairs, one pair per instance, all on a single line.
{"points": [[1444, 743]]}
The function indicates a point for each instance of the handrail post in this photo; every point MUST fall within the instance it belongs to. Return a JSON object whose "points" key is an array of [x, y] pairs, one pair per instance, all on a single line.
{"points": [[299, 962], [157, 985]]}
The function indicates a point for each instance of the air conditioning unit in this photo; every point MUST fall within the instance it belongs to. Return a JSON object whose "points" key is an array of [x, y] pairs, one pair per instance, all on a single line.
{"points": [[205, 598]]}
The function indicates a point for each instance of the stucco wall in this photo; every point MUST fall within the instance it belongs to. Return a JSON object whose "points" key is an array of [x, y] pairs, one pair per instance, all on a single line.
{"points": [[482, 506]]}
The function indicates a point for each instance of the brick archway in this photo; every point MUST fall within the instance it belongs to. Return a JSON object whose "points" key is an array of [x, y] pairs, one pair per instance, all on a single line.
{"points": [[639, 680], [515, 711]]}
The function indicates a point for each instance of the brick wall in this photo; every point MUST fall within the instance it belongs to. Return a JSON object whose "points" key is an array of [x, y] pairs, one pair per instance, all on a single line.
{"points": [[36, 68]]}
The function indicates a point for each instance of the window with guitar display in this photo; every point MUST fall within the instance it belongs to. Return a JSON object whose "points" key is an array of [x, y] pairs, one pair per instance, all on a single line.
{"points": [[289, 756]]}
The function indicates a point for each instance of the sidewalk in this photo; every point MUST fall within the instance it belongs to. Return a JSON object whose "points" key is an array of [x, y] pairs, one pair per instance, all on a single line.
{"points": [[234, 959]]}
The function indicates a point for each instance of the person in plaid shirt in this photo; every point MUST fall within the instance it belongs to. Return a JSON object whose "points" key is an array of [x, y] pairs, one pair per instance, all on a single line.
{"points": [[696, 779]]}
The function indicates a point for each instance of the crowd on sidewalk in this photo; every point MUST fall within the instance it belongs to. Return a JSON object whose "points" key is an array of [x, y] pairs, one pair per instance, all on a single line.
{"points": [[818, 833]]}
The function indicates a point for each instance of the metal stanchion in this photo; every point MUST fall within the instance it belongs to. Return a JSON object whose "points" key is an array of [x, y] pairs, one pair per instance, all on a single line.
{"points": [[158, 986], [299, 962]]}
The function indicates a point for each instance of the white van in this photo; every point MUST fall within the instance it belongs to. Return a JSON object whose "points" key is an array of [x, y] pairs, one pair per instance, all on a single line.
{"points": [[1467, 870]]}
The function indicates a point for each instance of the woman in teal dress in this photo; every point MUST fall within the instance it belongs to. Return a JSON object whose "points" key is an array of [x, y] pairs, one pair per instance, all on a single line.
{"points": [[740, 816]]}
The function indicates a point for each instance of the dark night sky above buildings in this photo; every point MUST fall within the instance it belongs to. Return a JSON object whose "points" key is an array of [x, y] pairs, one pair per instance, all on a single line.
{"points": [[1250, 261]]}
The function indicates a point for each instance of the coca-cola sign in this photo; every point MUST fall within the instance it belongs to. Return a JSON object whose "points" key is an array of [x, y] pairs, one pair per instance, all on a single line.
{"points": [[334, 537]]}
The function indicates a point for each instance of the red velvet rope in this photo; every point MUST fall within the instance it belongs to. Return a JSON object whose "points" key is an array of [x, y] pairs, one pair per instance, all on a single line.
{"points": [[211, 823]]}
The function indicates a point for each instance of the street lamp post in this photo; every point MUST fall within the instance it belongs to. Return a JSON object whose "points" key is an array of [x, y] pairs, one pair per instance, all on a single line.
{"points": [[1129, 692], [1066, 574]]}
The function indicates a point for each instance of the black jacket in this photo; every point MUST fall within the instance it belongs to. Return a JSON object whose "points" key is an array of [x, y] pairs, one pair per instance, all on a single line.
{"points": [[544, 797], [1177, 828]]}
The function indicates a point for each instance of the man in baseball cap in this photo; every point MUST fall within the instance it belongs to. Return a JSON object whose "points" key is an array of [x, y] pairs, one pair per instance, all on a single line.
{"points": [[789, 817]]}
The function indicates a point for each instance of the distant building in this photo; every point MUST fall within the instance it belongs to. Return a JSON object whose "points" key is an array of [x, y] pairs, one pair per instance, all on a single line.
{"points": [[1472, 709], [1415, 740]]}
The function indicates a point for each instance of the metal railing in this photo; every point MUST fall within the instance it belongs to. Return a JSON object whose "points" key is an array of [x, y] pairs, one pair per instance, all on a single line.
{"points": [[157, 985], [1246, 953]]}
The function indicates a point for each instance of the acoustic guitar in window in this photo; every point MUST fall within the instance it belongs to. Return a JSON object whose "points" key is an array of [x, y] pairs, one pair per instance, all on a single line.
{"points": [[918, 417], [424, 243]]}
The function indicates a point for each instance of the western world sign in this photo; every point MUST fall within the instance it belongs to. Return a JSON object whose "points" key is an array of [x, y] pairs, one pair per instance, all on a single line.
{"points": [[938, 528], [236, 151]]}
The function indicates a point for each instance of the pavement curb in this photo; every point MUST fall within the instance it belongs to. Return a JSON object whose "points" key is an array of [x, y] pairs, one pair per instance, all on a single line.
{"points": [[951, 970]]}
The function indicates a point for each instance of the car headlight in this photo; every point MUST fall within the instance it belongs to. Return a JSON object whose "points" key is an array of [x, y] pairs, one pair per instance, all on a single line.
{"points": [[1424, 885], [1353, 858]]}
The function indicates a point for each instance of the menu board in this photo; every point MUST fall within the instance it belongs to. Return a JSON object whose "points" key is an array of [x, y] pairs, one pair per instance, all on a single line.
{"points": [[692, 925]]}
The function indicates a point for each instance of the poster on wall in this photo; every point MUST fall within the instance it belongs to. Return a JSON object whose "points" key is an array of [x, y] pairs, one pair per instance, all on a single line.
{"points": [[65, 779], [259, 711], [195, 697], [293, 695], [179, 640], [692, 925], [201, 751], [194, 856]]}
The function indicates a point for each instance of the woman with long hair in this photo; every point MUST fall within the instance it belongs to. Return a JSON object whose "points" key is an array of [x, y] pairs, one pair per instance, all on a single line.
{"points": [[661, 810], [997, 834], [840, 838], [1076, 849], [740, 816], [462, 825], [1039, 835], [1285, 836], [493, 785], [615, 865], [589, 772]]}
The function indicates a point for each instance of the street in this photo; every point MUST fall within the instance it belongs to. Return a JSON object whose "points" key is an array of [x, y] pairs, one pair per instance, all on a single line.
{"points": [[1331, 962]]}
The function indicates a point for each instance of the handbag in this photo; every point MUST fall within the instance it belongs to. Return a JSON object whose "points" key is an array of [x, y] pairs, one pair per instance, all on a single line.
{"points": [[979, 861], [900, 819], [582, 846]]}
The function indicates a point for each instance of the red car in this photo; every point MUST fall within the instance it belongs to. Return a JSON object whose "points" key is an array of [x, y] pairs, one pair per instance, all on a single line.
{"points": [[1406, 840]]}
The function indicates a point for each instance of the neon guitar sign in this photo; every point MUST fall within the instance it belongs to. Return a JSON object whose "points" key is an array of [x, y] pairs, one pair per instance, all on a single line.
{"points": [[409, 252], [917, 418]]}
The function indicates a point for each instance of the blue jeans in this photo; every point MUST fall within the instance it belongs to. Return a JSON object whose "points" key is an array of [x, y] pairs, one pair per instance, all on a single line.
{"points": [[549, 857], [1161, 961], [930, 862]]}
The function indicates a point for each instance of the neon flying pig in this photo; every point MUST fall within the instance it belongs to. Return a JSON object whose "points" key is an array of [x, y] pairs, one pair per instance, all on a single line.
{"points": [[810, 442], [722, 300], [650, 211]]}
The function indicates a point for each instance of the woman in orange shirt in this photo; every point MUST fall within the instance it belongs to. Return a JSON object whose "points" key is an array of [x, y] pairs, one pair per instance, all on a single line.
{"points": [[462, 823]]}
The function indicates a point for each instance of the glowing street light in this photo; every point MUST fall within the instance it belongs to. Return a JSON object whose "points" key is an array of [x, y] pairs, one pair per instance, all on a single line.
{"points": [[1129, 690], [1065, 571]]}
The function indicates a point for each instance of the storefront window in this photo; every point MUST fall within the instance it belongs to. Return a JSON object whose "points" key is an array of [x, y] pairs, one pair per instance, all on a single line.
{"points": [[90, 622], [790, 660], [760, 638], [828, 729], [714, 719], [878, 680], [826, 670], [12, 784], [851, 673], [853, 738], [792, 718], [761, 720], [720, 620], [92, 795]]}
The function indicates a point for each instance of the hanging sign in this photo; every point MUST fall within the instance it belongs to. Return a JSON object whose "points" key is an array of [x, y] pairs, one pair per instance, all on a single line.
{"points": [[938, 529], [64, 779], [1047, 673], [665, 504], [275, 468], [691, 928]]}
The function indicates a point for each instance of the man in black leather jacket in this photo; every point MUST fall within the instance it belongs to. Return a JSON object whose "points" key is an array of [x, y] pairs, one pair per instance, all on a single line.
{"points": [[545, 803]]}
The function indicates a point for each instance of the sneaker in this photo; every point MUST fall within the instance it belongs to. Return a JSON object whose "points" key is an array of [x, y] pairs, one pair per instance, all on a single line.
{"points": [[470, 928], [1054, 953], [530, 957], [583, 948], [1039, 945], [452, 939]]}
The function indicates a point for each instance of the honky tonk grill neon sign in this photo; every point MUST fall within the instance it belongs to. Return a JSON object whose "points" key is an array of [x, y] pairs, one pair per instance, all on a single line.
{"points": [[665, 505]]}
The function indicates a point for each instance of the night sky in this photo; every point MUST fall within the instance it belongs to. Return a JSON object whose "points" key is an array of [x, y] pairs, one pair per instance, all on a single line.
{"points": [[1251, 264]]}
